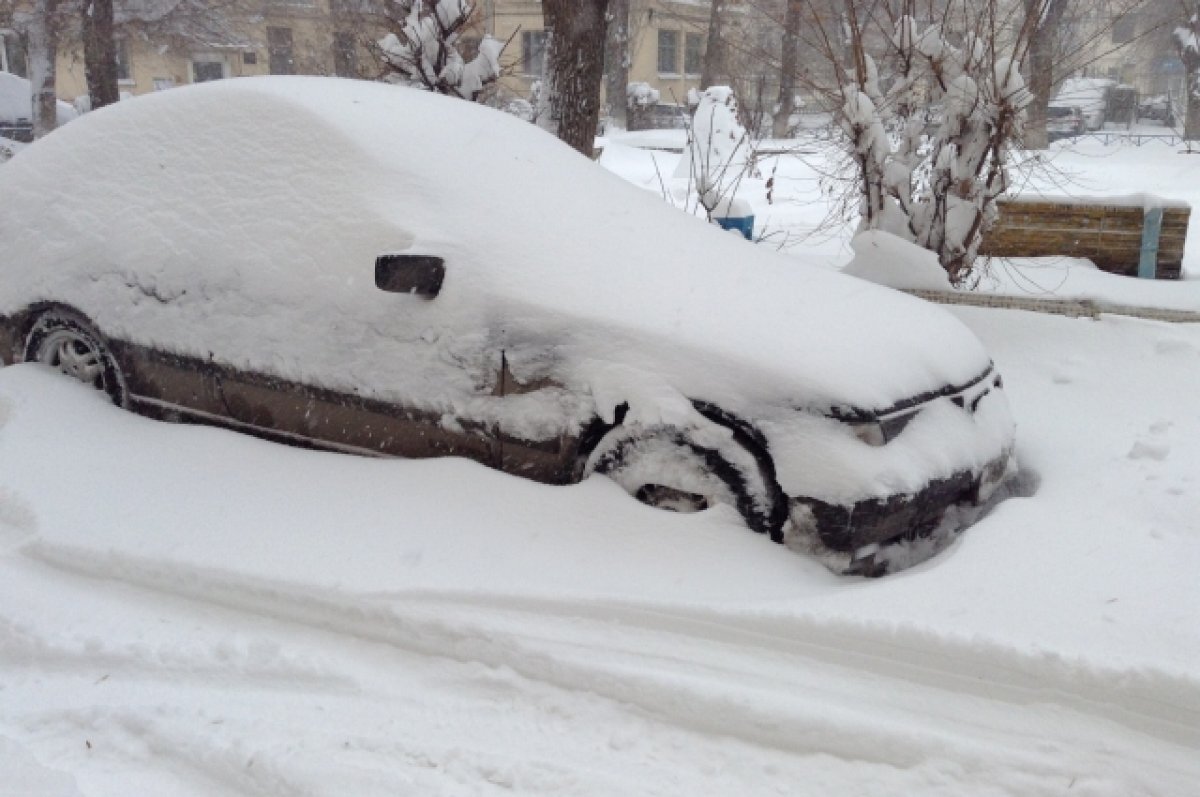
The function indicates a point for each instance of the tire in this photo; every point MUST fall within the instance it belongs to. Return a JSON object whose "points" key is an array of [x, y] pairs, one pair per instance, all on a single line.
{"points": [[66, 341], [661, 467]]}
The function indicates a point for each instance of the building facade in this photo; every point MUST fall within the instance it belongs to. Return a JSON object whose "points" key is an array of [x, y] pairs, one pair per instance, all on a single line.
{"points": [[335, 37]]}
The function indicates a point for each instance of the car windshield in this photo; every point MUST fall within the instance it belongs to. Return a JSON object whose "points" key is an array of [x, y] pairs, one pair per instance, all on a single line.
{"points": [[1058, 112]]}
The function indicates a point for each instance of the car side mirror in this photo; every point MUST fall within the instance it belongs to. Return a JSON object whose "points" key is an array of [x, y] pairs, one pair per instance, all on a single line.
{"points": [[421, 275]]}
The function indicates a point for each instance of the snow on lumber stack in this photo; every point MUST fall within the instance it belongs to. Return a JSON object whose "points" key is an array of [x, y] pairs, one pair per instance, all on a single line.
{"points": [[1106, 230]]}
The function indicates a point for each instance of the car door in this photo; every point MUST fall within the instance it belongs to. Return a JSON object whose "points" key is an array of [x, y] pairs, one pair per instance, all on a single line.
{"points": [[400, 381], [165, 384]]}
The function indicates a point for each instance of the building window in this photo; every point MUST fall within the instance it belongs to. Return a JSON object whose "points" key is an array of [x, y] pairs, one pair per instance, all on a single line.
{"points": [[1124, 29], [692, 46], [279, 51], [345, 55], [533, 52], [668, 52], [123, 71], [208, 67], [12, 54]]}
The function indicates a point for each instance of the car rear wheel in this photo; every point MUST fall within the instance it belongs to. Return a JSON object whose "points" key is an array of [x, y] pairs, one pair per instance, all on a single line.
{"points": [[66, 341], [663, 468]]}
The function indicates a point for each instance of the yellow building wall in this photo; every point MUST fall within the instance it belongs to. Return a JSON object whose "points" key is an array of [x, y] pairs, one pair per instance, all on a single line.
{"points": [[156, 65], [512, 18]]}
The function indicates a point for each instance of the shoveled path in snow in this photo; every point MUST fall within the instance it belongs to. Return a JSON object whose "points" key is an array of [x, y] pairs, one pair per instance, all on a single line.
{"points": [[185, 611]]}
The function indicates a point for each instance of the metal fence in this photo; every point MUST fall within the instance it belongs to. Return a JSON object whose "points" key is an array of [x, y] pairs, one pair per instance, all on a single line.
{"points": [[1111, 137]]}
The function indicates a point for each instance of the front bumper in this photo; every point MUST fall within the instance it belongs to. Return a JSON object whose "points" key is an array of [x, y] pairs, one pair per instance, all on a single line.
{"points": [[877, 521]]}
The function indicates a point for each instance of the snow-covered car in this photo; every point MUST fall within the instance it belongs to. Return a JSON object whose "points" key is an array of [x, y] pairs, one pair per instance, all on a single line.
{"points": [[378, 270], [1064, 121], [16, 108], [1090, 95]]}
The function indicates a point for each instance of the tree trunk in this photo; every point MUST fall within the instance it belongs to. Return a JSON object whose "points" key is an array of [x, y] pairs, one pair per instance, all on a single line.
{"points": [[1042, 78], [1191, 121], [715, 71], [1188, 40], [789, 63], [575, 67], [43, 56], [100, 53], [617, 58]]}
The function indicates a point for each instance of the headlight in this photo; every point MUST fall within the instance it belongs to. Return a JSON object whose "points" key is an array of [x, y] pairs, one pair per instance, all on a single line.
{"points": [[880, 432], [869, 433]]}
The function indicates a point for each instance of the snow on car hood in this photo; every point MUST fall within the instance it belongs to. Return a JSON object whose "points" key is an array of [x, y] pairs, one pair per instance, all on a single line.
{"points": [[239, 221]]}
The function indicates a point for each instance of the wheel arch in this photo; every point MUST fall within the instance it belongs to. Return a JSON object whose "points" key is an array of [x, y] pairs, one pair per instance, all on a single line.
{"points": [[745, 434], [21, 323], [755, 443], [24, 325]]}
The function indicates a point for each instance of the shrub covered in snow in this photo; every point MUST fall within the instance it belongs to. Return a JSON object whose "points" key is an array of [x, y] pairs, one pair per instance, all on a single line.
{"points": [[423, 50], [934, 186], [718, 152]]}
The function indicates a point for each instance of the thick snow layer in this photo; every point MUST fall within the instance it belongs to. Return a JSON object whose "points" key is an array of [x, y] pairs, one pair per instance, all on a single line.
{"points": [[1138, 200], [217, 614], [1076, 278], [888, 260], [306, 185]]}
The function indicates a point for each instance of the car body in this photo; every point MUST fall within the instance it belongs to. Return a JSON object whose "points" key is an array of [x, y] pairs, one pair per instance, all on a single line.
{"points": [[16, 108], [1064, 121], [378, 270], [1090, 95]]}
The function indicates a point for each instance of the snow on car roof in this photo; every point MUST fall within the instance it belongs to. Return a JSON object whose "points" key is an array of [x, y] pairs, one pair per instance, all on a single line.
{"points": [[281, 192]]}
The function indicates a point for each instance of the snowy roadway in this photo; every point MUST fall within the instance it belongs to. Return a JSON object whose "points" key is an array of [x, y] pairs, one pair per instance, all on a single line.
{"points": [[185, 611]]}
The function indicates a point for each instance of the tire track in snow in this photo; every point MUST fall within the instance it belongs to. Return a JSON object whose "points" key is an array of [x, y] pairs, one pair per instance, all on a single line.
{"points": [[867, 716], [1149, 700], [18, 523]]}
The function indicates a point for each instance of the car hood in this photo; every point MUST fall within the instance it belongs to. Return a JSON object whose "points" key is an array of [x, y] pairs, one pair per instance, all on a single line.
{"points": [[265, 201]]}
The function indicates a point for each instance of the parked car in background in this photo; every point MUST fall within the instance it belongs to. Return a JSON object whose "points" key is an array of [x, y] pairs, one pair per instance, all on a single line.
{"points": [[1090, 95], [1156, 108], [1064, 121], [16, 108], [377, 270]]}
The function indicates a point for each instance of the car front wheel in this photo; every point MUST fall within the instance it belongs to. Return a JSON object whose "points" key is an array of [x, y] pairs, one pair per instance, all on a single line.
{"points": [[66, 341], [663, 468]]}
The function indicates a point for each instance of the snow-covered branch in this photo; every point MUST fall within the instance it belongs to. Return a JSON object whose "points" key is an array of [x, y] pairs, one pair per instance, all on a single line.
{"points": [[424, 50]]}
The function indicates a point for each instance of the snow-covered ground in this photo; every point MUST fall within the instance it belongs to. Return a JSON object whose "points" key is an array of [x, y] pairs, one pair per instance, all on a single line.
{"points": [[188, 611], [801, 214]]}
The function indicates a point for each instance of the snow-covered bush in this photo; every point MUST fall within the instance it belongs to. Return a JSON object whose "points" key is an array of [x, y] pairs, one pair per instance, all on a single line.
{"points": [[641, 95], [640, 99], [929, 112], [937, 187], [718, 152], [423, 49]]}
